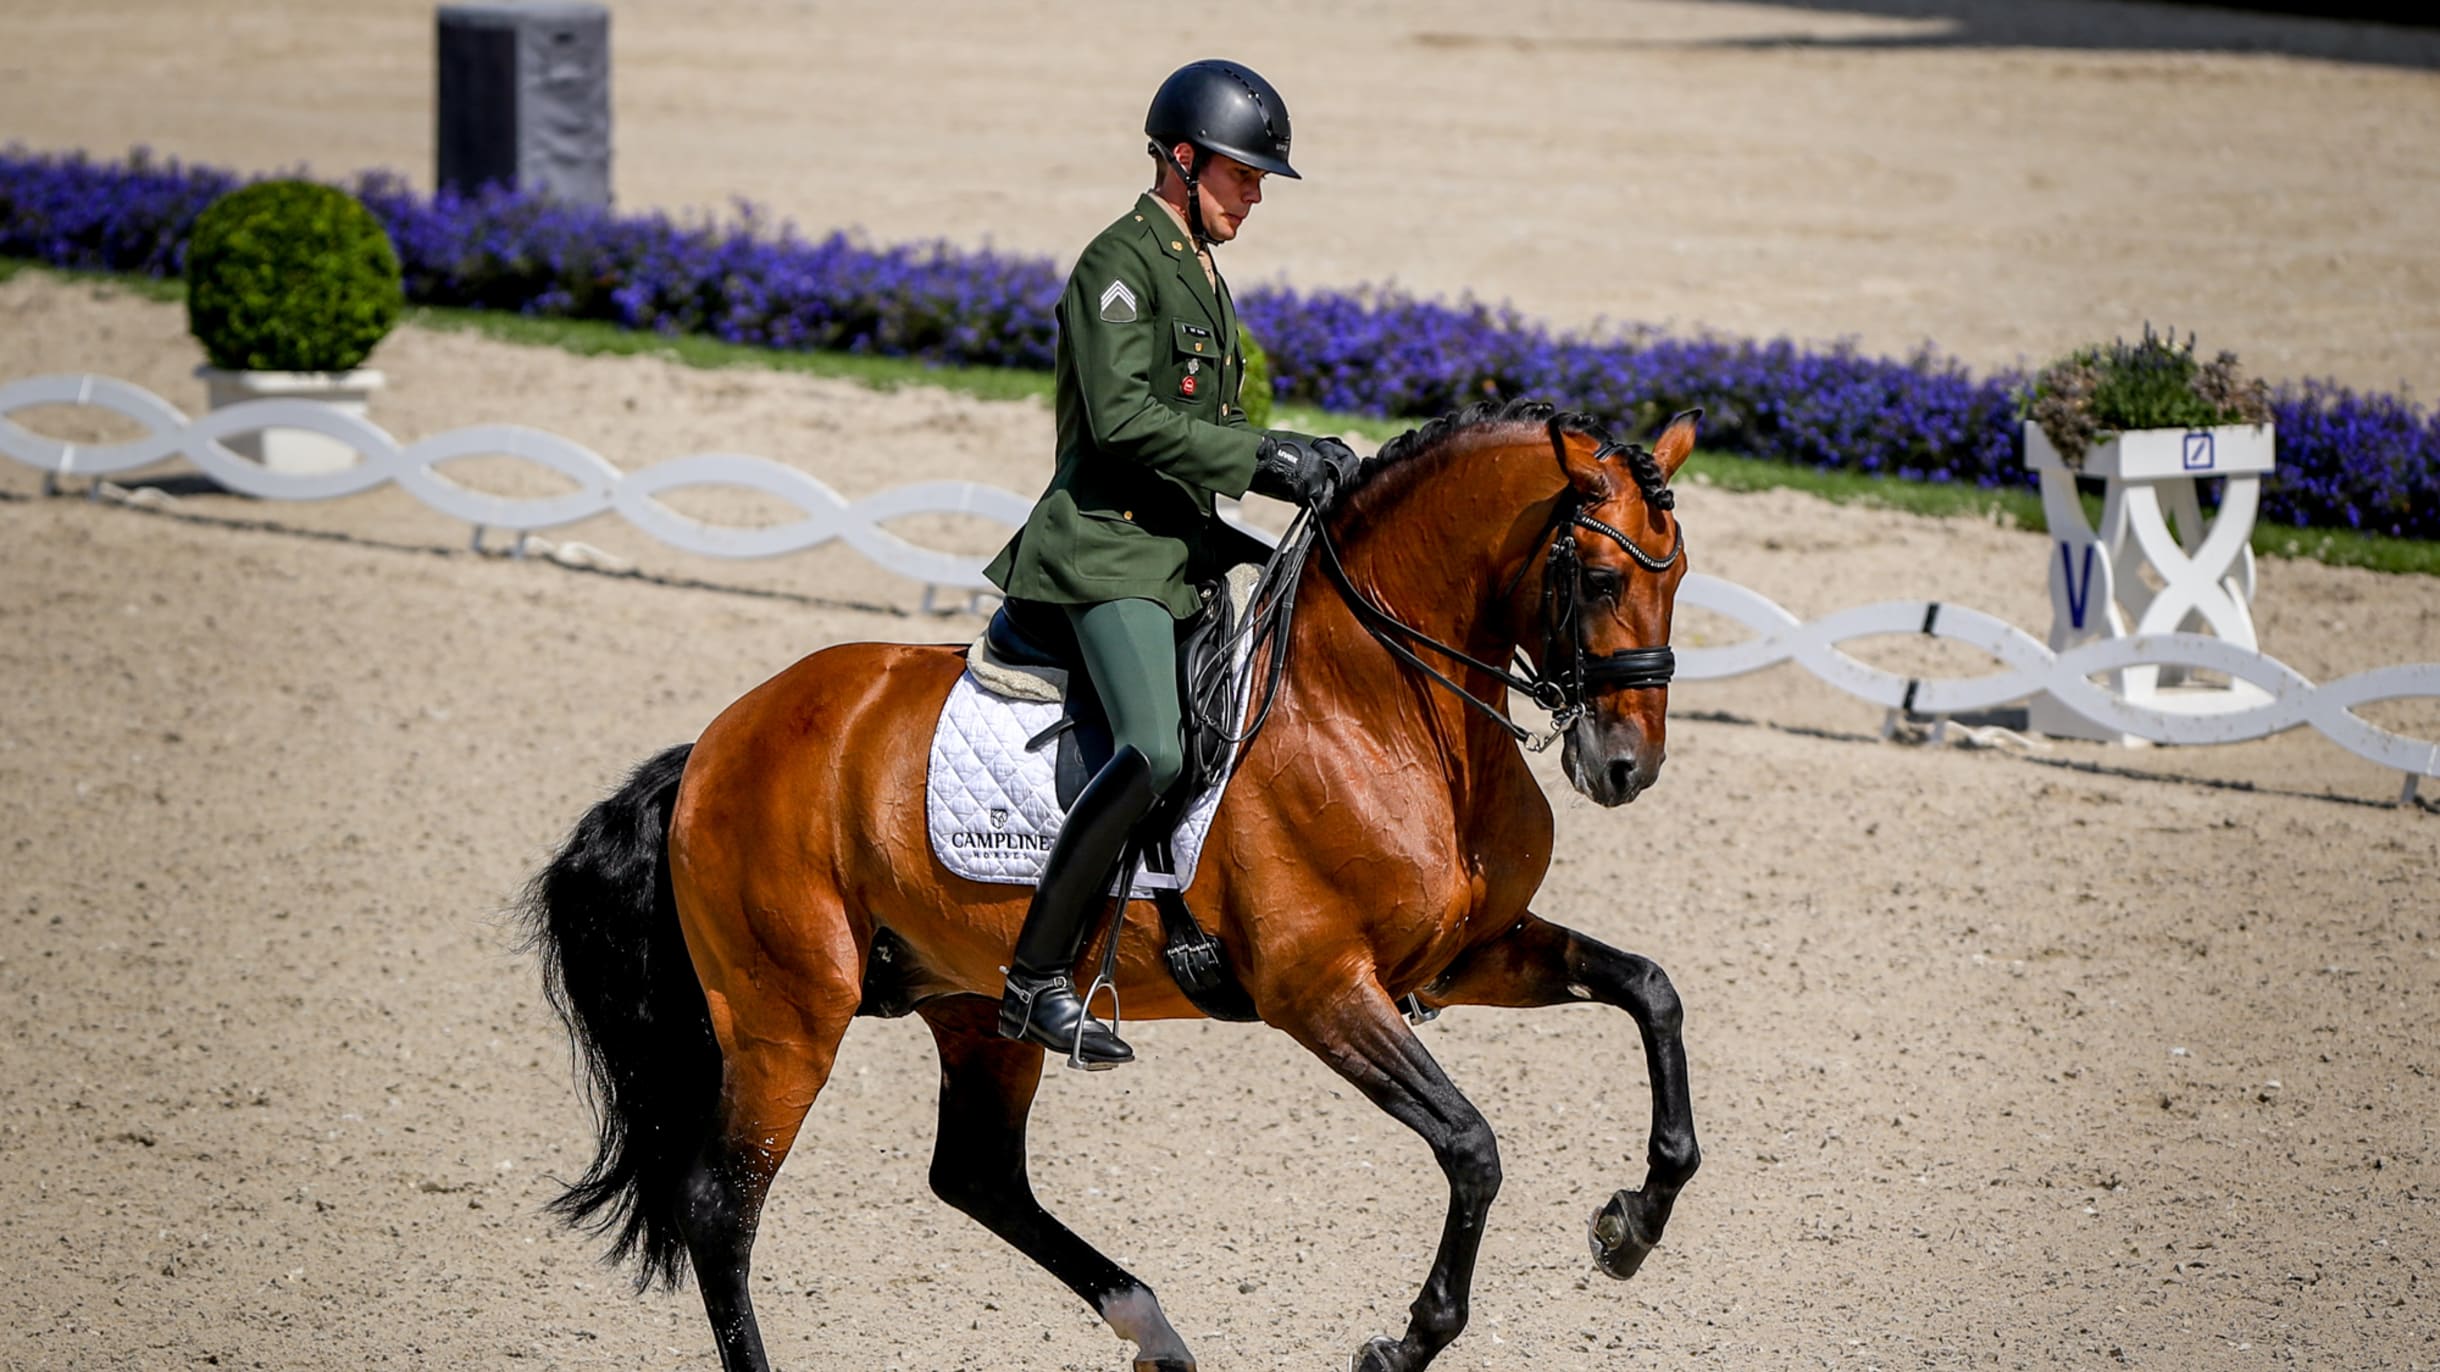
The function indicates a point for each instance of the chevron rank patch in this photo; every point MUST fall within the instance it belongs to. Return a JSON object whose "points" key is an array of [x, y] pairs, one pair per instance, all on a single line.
{"points": [[1117, 304]]}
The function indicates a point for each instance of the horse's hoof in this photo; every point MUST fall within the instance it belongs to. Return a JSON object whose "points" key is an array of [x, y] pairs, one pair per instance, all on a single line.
{"points": [[1164, 1365], [1622, 1234], [1376, 1355]]}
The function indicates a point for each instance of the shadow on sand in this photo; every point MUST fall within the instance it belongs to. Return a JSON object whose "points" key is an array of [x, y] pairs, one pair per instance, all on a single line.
{"points": [[2319, 31]]}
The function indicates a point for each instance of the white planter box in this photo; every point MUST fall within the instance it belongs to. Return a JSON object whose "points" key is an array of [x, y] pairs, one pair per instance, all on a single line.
{"points": [[293, 450], [2160, 454]]}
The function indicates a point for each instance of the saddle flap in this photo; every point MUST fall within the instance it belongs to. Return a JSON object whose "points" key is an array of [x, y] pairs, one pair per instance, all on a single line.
{"points": [[1085, 741]]}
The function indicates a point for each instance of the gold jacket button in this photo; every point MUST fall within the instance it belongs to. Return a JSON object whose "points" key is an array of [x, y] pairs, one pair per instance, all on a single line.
{"points": [[1176, 246], [1126, 514]]}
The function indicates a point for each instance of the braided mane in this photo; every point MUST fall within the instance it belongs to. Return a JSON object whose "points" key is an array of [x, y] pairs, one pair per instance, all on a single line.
{"points": [[1408, 450]]}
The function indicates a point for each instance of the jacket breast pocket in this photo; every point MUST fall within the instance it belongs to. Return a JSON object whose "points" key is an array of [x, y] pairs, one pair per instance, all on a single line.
{"points": [[1195, 340], [1192, 379]]}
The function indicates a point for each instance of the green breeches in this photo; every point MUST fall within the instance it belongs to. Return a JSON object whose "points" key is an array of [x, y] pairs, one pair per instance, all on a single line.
{"points": [[1130, 648]]}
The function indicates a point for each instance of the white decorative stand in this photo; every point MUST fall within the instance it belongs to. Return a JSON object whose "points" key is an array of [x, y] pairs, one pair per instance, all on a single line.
{"points": [[2098, 589], [285, 449]]}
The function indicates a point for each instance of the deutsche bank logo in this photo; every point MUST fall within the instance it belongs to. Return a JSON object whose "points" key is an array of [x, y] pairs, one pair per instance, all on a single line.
{"points": [[2200, 454]]}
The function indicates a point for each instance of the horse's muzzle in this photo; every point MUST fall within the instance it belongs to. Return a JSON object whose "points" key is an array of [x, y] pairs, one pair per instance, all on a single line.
{"points": [[1610, 762]]}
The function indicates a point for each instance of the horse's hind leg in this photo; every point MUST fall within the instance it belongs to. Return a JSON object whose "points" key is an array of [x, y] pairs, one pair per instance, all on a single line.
{"points": [[978, 1165], [776, 1055], [1540, 963]]}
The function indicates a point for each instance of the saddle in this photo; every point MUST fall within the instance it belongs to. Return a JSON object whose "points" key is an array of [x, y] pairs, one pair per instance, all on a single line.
{"points": [[1030, 635]]}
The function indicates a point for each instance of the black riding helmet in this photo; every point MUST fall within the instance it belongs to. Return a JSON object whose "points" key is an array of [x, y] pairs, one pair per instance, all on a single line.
{"points": [[1219, 107]]}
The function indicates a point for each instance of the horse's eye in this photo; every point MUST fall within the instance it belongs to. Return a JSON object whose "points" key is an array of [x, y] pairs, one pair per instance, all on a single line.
{"points": [[1603, 583]]}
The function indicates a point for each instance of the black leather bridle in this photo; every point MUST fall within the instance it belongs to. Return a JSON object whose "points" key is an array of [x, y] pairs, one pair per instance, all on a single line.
{"points": [[1570, 674]]}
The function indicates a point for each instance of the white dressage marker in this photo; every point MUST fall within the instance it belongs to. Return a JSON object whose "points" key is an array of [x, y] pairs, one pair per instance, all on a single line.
{"points": [[2097, 586]]}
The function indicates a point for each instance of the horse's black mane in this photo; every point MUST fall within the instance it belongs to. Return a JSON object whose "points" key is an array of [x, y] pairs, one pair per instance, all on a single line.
{"points": [[1401, 453]]}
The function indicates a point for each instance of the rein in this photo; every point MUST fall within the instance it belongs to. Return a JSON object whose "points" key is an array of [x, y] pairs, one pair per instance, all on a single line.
{"points": [[1570, 674]]}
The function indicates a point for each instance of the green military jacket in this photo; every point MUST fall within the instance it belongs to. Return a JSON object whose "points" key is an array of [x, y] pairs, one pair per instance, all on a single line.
{"points": [[1151, 428]]}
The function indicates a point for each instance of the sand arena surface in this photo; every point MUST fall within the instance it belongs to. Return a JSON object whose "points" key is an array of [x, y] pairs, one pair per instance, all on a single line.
{"points": [[1998, 1061], [2065, 1059]]}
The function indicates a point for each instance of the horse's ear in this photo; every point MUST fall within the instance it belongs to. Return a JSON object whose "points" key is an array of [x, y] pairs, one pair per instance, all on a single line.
{"points": [[1591, 479], [1676, 441]]}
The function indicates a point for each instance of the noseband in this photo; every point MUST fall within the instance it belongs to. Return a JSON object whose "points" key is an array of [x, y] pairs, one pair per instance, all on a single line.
{"points": [[1570, 674]]}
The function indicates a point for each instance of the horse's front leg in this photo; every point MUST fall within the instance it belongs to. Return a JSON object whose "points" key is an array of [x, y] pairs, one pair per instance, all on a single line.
{"points": [[1540, 963], [1363, 1038]]}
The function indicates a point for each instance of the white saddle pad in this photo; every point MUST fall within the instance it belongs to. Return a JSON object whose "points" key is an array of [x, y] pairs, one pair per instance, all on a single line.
{"points": [[993, 807]]}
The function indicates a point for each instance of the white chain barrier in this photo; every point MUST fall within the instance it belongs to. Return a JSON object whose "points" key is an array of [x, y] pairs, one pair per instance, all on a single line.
{"points": [[2029, 668], [2287, 699], [600, 487]]}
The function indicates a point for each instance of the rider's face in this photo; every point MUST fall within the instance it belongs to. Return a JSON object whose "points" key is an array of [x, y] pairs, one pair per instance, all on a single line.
{"points": [[1230, 191]]}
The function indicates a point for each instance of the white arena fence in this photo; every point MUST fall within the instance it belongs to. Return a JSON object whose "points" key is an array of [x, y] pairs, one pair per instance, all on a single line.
{"points": [[2029, 668]]}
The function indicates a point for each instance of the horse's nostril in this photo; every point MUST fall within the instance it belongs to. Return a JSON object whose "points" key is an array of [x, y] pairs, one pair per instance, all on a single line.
{"points": [[1622, 775]]}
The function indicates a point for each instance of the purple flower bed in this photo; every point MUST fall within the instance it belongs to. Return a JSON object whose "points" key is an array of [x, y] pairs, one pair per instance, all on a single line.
{"points": [[2347, 458], [741, 283]]}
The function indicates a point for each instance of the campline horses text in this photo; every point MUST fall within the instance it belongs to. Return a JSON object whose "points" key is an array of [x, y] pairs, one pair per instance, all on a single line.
{"points": [[710, 929]]}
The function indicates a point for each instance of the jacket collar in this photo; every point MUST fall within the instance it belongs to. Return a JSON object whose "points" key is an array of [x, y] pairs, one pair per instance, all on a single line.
{"points": [[1170, 236]]}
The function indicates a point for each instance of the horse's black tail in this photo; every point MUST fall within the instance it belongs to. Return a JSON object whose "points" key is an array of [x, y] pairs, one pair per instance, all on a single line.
{"points": [[615, 968]]}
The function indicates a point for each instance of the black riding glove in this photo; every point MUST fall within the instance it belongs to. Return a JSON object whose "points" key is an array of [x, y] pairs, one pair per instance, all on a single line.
{"points": [[1303, 470]]}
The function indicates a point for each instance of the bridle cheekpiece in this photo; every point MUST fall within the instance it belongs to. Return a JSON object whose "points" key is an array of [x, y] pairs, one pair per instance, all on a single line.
{"points": [[1569, 674]]}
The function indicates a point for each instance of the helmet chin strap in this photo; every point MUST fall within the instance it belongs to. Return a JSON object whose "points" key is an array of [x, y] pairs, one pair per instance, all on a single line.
{"points": [[1192, 174]]}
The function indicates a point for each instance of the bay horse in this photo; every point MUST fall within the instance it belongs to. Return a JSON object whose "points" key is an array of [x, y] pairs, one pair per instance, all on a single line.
{"points": [[709, 929]]}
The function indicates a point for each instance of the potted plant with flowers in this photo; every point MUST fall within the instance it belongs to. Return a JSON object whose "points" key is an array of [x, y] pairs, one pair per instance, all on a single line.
{"points": [[289, 285], [2101, 410]]}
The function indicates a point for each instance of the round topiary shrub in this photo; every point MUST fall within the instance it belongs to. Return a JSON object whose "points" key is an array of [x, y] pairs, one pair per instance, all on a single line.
{"points": [[290, 276], [1255, 396]]}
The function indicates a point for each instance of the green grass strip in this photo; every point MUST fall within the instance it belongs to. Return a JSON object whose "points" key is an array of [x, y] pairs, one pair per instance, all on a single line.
{"points": [[148, 287], [595, 338], [2348, 548], [1728, 471], [2023, 509]]}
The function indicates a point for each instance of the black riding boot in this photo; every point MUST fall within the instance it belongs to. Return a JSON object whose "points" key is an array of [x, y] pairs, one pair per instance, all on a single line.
{"points": [[1040, 1004]]}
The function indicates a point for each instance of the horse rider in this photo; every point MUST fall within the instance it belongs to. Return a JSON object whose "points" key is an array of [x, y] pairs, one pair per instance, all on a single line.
{"points": [[1151, 428]]}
